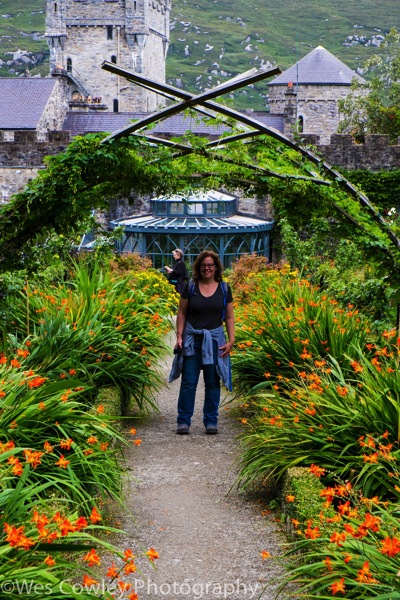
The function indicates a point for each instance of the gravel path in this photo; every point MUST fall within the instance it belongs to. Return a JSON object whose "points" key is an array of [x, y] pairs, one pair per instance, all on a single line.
{"points": [[181, 493]]}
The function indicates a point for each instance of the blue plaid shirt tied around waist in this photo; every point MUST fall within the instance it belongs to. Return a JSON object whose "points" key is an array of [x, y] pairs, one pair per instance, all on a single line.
{"points": [[208, 337]]}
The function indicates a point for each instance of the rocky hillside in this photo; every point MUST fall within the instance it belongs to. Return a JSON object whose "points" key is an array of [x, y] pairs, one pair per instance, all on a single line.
{"points": [[212, 40]]}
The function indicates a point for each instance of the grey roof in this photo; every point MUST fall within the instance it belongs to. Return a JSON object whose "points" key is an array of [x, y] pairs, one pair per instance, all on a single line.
{"points": [[23, 100], [92, 122], [319, 67], [188, 224]]}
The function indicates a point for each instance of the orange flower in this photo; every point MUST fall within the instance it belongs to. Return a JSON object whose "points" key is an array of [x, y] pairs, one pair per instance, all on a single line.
{"points": [[112, 571], [66, 527], [312, 534], [92, 439], [391, 547], [88, 581], [132, 431], [137, 442], [36, 382], [48, 447], [328, 563], [95, 516], [317, 471], [376, 363], [62, 462], [290, 498], [49, 561], [130, 567], [15, 363], [33, 457], [17, 469], [342, 390], [72, 372], [338, 586], [152, 554], [128, 554], [92, 558], [100, 408], [66, 444], [81, 523], [357, 368], [337, 538], [265, 554], [364, 574]]}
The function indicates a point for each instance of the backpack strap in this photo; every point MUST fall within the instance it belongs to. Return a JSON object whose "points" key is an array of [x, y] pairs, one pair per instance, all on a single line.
{"points": [[224, 288]]}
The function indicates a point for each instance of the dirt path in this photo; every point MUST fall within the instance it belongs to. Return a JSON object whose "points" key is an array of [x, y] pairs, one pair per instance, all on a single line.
{"points": [[209, 536]]}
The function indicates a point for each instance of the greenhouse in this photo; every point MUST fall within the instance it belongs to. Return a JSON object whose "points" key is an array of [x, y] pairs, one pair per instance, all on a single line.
{"points": [[205, 220]]}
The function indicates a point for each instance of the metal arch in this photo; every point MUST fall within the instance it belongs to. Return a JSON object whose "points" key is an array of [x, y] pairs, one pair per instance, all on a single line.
{"points": [[204, 100]]}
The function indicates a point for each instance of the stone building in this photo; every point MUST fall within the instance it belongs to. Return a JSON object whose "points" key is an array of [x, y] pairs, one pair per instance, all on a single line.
{"points": [[134, 34], [308, 94]]}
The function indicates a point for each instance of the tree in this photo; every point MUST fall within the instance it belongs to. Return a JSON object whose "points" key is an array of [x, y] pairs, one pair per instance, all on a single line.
{"points": [[373, 107]]}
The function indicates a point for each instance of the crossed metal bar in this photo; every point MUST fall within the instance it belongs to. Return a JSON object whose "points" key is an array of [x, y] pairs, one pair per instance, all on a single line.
{"points": [[205, 101]]}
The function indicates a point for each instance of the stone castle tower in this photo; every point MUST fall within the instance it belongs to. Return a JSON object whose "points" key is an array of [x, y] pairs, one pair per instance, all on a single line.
{"points": [[308, 94], [134, 34]]}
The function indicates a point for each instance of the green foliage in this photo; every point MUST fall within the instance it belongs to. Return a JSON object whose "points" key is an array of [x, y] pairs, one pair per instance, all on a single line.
{"points": [[374, 107], [331, 263]]}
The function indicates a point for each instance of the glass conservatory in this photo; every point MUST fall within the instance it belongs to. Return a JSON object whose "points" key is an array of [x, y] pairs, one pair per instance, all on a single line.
{"points": [[205, 220]]}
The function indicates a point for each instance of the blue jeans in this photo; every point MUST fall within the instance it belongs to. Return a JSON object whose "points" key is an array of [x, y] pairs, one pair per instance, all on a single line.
{"points": [[187, 393]]}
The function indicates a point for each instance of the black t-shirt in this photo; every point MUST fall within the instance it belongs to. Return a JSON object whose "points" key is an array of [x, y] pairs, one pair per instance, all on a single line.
{"points": [[203, 312]]}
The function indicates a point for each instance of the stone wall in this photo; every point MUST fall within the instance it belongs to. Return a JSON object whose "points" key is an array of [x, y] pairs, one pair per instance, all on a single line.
{"points": [[28, 149], [14, 179], [376, 154]]}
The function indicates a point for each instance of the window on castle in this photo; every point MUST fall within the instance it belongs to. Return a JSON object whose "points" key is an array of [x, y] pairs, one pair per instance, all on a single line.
{"points": [[55, 7], [114, 59], [134, 6], [109, 32], [300, 124], [69, 65], [115, 105]]}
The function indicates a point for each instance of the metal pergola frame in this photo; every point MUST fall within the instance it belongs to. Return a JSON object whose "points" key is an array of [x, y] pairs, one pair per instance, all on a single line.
{"points": [[203, 103]]}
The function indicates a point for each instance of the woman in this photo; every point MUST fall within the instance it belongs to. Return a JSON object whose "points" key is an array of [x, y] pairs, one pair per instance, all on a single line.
{"points": [[177, 274], [206, 301]]}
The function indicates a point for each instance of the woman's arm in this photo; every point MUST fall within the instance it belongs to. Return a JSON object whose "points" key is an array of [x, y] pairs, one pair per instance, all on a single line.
{"points": [[180, 321], [230, 330]]}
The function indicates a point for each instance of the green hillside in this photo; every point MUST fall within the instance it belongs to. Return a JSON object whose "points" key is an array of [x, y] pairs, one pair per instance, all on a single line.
{"points": [[212, 40]]}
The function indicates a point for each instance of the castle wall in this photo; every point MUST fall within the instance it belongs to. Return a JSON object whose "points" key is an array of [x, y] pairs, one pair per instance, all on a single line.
{"points": [[21, 159]]}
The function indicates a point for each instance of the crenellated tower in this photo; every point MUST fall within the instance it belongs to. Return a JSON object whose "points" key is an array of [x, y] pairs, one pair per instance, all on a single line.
{"points": [[134, 34]]}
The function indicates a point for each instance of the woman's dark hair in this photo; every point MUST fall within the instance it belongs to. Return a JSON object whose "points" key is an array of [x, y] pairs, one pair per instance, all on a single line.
{"points": [[216, 261]]}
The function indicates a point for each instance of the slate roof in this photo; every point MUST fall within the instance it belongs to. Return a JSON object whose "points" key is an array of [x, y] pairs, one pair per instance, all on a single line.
{"points": [[319, 67], [23, 100], [82, 123]]}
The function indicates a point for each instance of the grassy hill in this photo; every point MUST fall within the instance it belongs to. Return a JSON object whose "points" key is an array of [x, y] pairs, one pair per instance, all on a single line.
{"points": [[212, 40]]}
